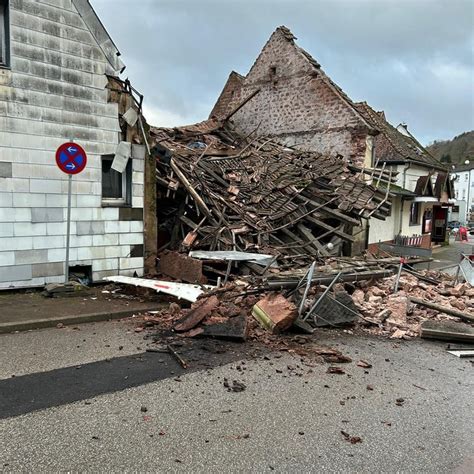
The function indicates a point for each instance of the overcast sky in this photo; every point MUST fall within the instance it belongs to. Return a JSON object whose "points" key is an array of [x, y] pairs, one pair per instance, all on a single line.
{"points": [[412, 58]]}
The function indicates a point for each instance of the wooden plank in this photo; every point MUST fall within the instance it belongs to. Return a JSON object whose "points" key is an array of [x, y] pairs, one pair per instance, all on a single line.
{"points": [[327, 210], [196, 315], [191, 190], [307, 234], [447, 331], [338, 232], [443, 309]]}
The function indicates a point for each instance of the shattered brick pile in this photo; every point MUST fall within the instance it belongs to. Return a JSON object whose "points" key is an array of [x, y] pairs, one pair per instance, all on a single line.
{"points": [[387, 313]]}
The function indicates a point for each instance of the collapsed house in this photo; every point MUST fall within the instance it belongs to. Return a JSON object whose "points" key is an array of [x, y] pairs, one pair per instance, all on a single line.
{"points": [[300, 105], [219, 190]]}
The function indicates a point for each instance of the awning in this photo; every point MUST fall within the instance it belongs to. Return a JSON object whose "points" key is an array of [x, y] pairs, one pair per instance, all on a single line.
{"points": [[425, 199]]}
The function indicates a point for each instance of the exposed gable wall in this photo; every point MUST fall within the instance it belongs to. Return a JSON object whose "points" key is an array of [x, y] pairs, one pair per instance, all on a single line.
{"points": [[279, 51], [298, 103]]}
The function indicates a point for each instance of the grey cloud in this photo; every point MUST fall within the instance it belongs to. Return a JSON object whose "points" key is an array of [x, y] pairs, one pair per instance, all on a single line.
{"points": [[412, 58]]}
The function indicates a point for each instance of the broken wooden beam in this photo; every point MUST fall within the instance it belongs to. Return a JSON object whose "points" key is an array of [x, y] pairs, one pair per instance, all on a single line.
{"points": [[200, 203], [203, 308], [443, 309], [447, 331]]}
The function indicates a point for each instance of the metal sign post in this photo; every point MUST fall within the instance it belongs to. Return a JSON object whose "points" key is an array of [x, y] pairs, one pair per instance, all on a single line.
{"points": [[68, 231], [71, 159]]}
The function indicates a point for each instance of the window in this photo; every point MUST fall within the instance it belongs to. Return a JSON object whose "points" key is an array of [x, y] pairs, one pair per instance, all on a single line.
{"points": [[463, 194], [466, 176], [415, 213], [116, 187], [4, 34]]}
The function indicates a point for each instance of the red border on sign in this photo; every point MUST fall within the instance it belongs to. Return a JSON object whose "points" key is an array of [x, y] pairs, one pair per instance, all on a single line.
{"points": [[63, 148]]}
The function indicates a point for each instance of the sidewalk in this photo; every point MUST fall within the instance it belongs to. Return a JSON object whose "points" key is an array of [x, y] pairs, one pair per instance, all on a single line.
{"points": [[449, 256], [22, 311]]}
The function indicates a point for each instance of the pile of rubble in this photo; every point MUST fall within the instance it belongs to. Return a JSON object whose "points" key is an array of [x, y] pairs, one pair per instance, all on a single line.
{"points": [[252, 234], [401, 314], [394, 306], [221, 191]]}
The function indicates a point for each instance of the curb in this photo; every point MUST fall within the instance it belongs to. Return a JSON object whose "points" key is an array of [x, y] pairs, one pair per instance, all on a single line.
{"points": [[69, 320]]}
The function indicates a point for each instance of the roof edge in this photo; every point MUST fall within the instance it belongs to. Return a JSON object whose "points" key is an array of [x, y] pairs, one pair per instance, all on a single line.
{"points": [[100, 33]]}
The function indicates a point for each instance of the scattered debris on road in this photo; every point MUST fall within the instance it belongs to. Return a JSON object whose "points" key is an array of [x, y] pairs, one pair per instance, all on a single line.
{"points": [[335, 370], [61, 290], [351, 439], [235, 386]]}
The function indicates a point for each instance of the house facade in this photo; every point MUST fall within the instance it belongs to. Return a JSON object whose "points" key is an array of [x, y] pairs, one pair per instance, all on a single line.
{"points": [[463, 179], [423, 191], [298, 104], [57, 84]]}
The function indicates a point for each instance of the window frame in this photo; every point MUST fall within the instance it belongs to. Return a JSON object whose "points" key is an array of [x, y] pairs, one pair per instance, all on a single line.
{"points": [[126, 199], [5, 34], [416, 220]]}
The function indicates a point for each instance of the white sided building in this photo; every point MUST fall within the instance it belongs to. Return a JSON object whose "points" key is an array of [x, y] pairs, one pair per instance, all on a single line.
{"points": [[55, 59], [463, 176]]}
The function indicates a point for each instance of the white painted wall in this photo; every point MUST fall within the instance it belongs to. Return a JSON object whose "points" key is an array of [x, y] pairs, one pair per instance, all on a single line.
{"points": [[407, 178], [464, 191], [382, 231], [55, 92]]}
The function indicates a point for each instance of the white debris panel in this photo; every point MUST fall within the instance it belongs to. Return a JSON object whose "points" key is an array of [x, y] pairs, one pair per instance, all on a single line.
{"points": [[180, 290]]}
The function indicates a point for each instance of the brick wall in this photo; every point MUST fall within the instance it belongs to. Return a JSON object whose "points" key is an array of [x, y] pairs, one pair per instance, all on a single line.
{"points": [[297, 102]]}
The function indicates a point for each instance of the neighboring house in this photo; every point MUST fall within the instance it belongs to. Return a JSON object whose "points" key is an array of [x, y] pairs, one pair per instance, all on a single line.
{"points": [[463, 176], [301, 106], [423, 191], [57, 64]]}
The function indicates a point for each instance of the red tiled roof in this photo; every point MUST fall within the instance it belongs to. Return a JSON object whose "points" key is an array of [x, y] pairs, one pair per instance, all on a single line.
{"points": [[391, 145]]}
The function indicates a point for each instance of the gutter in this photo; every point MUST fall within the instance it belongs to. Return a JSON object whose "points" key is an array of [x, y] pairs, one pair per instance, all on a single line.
{"points": [[416, 162]]}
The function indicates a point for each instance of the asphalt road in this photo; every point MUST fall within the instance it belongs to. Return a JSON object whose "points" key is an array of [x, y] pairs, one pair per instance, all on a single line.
{"points": [[288, 419]]}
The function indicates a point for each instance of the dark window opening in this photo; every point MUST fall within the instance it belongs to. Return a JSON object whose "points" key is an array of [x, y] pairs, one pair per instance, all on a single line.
{"points": [[273, 70], [81, 274], [415, 213], [4, 33], [116, 187]]}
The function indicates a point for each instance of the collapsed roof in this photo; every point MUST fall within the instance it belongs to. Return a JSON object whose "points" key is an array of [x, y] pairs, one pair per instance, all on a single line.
{"points": [[250, 193]]}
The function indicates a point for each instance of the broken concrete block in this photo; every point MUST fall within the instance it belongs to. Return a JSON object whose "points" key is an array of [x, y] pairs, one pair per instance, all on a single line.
{"points": [[122, 155], [234, 329], [275, 313], [181, 267], [202, 308]]}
